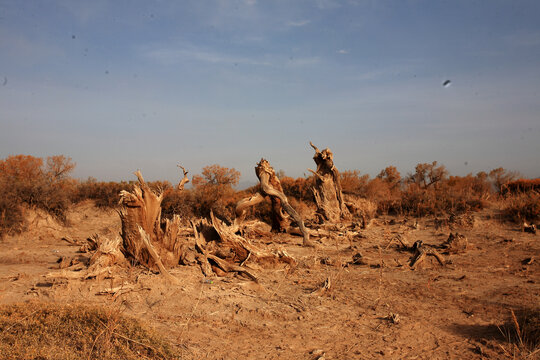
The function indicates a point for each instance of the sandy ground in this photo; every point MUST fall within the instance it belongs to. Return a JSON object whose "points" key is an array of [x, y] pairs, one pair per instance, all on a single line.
{"points": [[382, 310]]}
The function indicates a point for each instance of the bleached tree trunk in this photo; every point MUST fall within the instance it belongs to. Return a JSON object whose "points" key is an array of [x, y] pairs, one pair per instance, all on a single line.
{"points": [[144, 239], [271, 186], [327, 190]]}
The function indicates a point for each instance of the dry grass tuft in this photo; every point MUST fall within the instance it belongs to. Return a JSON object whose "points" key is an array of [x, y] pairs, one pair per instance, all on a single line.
{"points": [[49, 331], [523, 332]]}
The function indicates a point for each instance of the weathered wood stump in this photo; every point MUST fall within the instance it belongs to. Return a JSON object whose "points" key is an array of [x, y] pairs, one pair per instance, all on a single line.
{"points": [[270, 186], [327, 190], [145, 240]]}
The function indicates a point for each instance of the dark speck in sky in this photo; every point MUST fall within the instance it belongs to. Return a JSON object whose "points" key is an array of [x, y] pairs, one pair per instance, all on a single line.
{"points": [[5, 81], [446, 83], [73, 36]]}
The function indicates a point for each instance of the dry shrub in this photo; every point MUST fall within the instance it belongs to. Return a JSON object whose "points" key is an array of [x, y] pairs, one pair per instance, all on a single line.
{"points": [[299, 188], [430, 192], [213, 191], [178, 202], [107, 194], [24, 179], [522, 207], [65, 332], [439, 200], [104, 194], [388, 200], [11, 215], [521, 186], [304, 210], [361, 207], [221, 199], [354, 184], [418, 201]]}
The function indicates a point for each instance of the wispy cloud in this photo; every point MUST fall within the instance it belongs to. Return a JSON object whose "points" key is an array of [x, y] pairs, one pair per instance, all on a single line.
{"points": [[298, 23], [327, 4], [304, 61], [170, 55], [343, 51], [173, 55]]}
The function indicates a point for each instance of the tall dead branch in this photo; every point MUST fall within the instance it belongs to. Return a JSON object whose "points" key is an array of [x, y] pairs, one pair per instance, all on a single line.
{"points": [[184, 180], [327, 190]]}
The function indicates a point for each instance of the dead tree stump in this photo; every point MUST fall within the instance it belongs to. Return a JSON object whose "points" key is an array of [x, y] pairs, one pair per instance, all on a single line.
{"points": [[145, 239], [270, 186], [327, 190]]}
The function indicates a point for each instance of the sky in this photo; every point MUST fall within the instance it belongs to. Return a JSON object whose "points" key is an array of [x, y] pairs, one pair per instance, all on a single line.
{"points": [[126, 85]]}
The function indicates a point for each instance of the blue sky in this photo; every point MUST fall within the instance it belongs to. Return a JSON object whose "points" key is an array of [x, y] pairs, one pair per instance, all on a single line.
{"points": [[126, 85]]}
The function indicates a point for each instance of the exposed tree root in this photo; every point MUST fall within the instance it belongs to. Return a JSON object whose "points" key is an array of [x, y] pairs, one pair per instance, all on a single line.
{"points": [[220, 250], [421, 251]]}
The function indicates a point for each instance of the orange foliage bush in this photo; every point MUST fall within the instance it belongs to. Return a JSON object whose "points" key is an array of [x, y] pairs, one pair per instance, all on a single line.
{"points": [[352, 183], [104, 194], [522, 207], [178, 202], [521, 186], [25, 179], [299, 188], [213, 191]]}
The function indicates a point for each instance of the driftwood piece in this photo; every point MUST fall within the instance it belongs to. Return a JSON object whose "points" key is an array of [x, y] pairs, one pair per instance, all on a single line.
{"points": [[466, 221], [228, 267], [324, 287], [270, 186], [157, 260], [531, 229], [400, 239], [327, 190], [220, 250], [421, 251], [455, 244], [107, 255], [107, 258]]}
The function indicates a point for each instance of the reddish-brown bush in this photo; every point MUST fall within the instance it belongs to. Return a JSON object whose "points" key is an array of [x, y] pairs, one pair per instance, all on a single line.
{"points": [[104, 194], [522, 207], [500, 177], [213, 191], [299, 188], [354, 184], [521, 186], [178, 202], [10, 210], [26, 180]]}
